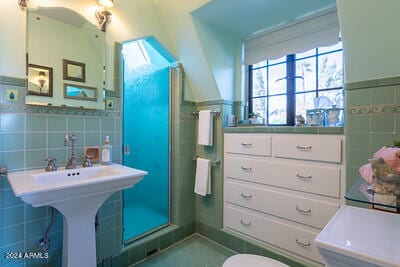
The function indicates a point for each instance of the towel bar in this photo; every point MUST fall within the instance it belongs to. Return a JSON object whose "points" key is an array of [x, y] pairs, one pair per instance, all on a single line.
{"points": [[215, 161], [216, 112]]}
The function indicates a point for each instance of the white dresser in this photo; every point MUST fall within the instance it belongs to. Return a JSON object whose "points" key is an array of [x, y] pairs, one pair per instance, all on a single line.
{"points": [[282, 189]]}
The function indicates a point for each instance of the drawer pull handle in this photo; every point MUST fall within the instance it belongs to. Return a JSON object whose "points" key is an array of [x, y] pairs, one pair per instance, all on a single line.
{"points": [[303, 244], [304, 148], [248, 169], [303, 176], [303, 211], [246, 196], [245, 223], [246, 144]]}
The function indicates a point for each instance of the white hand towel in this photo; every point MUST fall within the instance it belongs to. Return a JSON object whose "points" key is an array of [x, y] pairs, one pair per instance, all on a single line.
{"points": [[203, 177], [205, 134]]}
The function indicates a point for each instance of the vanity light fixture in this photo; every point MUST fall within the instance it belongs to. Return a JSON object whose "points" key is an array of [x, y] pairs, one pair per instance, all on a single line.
{"points": [[103, 16], [23, 4], [106, 3]]}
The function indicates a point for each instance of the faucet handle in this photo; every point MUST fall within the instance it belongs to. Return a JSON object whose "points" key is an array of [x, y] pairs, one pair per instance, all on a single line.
{"points": [[87, 162], [51, 165]]}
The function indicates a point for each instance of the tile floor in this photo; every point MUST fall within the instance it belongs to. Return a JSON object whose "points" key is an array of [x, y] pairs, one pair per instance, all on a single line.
{"points": [[195, 251]]}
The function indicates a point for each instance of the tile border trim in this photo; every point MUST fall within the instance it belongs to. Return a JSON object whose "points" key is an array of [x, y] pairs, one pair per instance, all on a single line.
{"points": [[6, 80], [374, 109], [389, 81], [15, 108], [5, 108]]}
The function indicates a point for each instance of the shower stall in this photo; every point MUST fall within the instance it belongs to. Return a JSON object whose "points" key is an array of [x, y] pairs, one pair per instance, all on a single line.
{"points": [[146, 136]]}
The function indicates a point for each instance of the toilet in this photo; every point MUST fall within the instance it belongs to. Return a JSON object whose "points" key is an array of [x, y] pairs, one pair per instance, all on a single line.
{"points": [[241, 260]]}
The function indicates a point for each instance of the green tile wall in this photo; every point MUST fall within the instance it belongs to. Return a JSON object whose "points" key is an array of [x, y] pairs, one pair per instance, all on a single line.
{"points": [[209, 208], [28, 135], [48, 126], [372, 120]]}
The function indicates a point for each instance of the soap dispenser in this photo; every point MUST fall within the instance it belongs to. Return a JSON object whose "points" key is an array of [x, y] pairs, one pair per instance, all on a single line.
{"points": [[106, 152]]}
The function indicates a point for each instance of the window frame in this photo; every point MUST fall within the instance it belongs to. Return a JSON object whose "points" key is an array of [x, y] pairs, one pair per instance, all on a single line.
{"points": [[290, 84]]}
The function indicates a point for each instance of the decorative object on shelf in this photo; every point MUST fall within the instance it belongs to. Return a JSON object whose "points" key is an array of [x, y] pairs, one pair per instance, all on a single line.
{"points": [[334, 116], [93, 152], [322, 102], [391, 155], [383, 176], [73, 71], [387, 181], [300, 121], [40, 80], [324, 113], [315, 117], [255, 118], [103, 15]]}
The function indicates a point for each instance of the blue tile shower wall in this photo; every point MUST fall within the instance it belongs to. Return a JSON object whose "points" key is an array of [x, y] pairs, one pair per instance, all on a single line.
{"points": [[28, 135]]}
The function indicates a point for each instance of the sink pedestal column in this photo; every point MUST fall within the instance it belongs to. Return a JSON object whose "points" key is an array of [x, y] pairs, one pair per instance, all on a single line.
{"points": [[79, 238]]}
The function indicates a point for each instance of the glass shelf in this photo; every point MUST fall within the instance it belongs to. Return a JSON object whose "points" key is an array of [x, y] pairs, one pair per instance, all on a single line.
{"points": [[359, 193]]}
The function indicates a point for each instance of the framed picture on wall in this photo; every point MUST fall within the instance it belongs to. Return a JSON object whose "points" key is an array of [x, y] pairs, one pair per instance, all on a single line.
{"points": [[80, 92], [40, 80], [73, 71], [109, 104]]}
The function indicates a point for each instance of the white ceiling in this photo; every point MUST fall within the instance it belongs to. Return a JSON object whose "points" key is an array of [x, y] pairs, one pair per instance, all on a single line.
{"points": [[245, 17]]}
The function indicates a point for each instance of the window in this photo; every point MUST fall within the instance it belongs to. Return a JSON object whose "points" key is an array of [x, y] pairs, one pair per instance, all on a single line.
{"points": [[285, 87]]}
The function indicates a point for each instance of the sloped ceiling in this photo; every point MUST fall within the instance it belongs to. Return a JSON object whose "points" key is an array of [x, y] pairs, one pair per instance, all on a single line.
{"points": [[245, 17], [61, 14]]}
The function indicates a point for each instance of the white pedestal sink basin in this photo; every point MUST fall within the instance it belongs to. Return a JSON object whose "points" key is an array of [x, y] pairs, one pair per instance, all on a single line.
{"points": [[360, 237], [77, 194]]}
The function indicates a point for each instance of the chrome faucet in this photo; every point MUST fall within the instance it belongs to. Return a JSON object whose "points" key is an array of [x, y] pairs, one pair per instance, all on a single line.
{"points": [[72, 161], [51, 165]]}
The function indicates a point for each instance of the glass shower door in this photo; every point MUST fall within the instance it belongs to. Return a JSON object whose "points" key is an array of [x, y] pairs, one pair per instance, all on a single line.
{"points": [[146, 137]]}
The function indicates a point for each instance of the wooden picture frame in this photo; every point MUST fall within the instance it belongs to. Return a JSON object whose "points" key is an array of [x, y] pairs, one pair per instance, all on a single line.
{"points": [[74, 71], [40, 80]]}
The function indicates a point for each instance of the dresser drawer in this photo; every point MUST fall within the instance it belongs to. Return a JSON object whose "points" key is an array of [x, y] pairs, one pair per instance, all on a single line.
{"points": [[302, 209], [323, 179], [287, 236], [250, 144], [309, 147]]}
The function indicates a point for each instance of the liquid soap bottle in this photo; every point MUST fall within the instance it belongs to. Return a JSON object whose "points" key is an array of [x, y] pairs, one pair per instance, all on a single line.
{"points": [[106, 152]]}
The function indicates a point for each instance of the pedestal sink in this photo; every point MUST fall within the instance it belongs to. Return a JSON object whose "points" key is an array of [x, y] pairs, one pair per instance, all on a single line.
{"points": [[77, 194]]}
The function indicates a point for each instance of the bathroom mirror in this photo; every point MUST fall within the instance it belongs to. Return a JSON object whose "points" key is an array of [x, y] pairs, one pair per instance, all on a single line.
{"points": [[74, 49]]}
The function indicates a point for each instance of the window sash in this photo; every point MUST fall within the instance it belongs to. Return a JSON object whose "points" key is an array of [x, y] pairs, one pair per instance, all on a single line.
{"points": [[291, 92]]}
